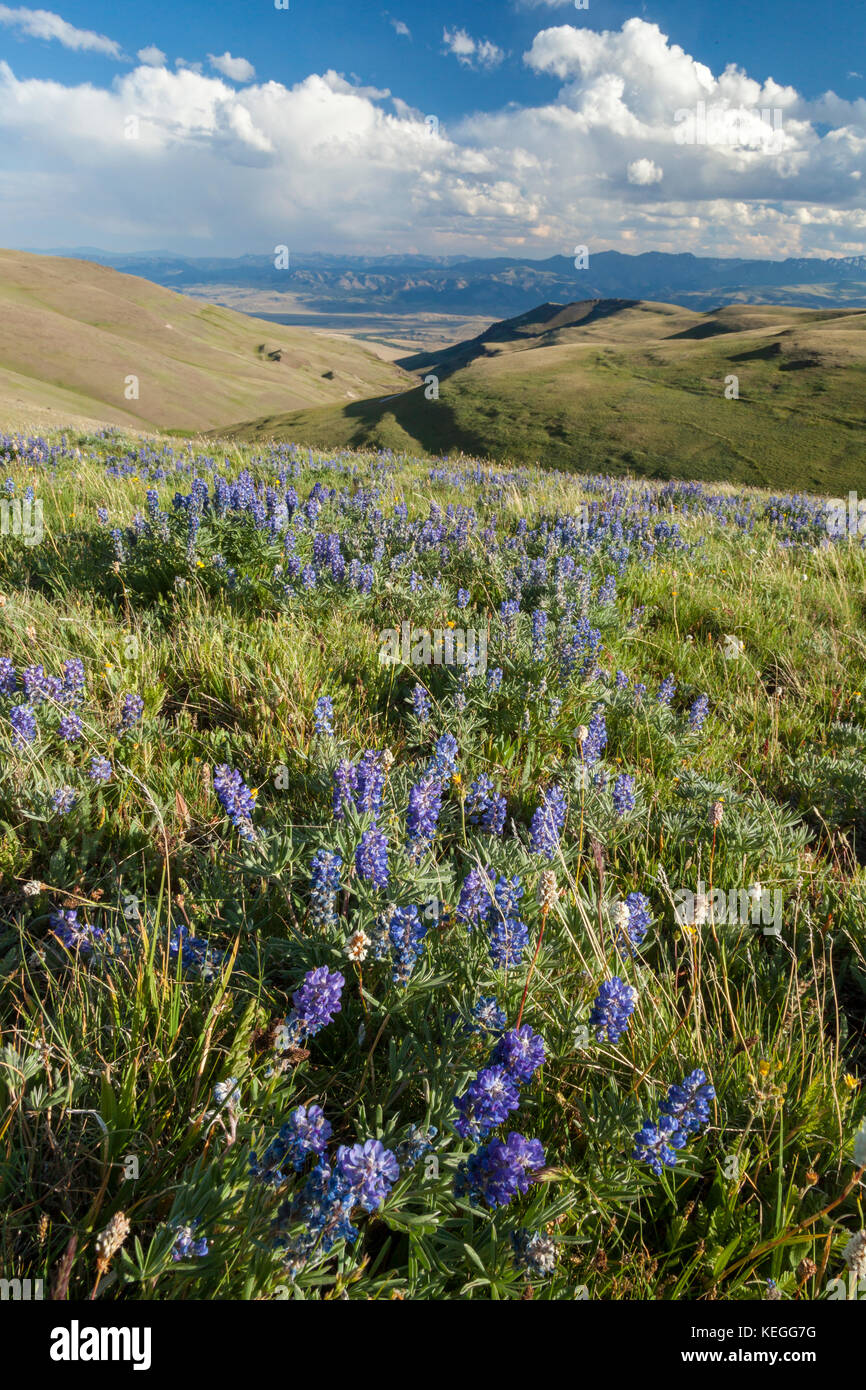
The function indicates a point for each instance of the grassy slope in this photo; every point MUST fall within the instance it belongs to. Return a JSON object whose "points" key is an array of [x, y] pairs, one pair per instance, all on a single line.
{"points": [[71, 332], [775, 1025], [639, 391]]}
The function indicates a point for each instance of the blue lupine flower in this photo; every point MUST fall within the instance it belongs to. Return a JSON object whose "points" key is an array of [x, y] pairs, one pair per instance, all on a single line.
{"points": [[324, 715], [596, 740], [698, 713], [76, 936], [500, 1171], [539, 634], [235, 798], [73, 680], [420, 704], [667, 690], [345, 784], [406, 932], [70, 728], [508, 935], [520, 1052], [623, 794], [494, 679], [689, 1103], [370, 782], [486, 1103], [195, 953], [632, 933], [187, 1245], [474, 902], [445, 756], [508, 892], [509, 938], [305, 1134], [130, 714], [8, 677], [462, 598], [613, 1007], [425, 804], [607, 592], [371, 857], [485, 806], [656, 1144], [508, 611], [547, 823], [323, 1208], [23, 722], [370, 1170], [38, 686], [324, 887], [63, 800], [489, 1017], [316, 1002], [100, 770], [416, 1145]]}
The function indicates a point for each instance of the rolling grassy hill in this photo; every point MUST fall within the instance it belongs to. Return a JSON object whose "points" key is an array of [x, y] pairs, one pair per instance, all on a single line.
{"points": [[72, 332], [632, 386]]}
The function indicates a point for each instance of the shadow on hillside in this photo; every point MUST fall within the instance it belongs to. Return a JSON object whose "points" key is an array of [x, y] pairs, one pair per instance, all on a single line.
{"points": [[432, 424]]}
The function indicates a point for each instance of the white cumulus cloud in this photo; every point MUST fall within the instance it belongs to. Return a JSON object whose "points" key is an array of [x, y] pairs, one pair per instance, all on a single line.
{"points": [[472, 53], [43, 24], [152, 56], [235, 69], [330, 164], [643, 172]]}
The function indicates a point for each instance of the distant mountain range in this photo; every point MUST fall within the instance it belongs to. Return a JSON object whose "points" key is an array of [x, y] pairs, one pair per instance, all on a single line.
{"points": [[501, 287]]}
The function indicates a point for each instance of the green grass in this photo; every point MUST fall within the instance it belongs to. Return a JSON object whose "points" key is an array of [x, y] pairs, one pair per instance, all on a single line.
{"points": [[117, 1057], [640, 392]]}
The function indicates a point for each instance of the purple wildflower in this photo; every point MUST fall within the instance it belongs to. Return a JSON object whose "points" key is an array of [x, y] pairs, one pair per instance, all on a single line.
{"points": [[520, 1052], [371, 857]]}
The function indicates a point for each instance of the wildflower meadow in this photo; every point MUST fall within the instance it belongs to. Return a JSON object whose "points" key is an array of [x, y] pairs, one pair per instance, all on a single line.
{"points": [[336, 964]]}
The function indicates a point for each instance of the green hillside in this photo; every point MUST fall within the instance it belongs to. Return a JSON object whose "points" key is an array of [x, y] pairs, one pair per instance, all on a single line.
{"points": [[72, 333], [628, 386]]}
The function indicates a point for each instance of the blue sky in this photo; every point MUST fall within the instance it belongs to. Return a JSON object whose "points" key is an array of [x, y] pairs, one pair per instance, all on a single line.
{"points": [[810, 47], [556, 125]]}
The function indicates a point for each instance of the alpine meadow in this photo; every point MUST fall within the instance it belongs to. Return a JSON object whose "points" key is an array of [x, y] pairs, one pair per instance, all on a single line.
{"points": [[432, 667]]}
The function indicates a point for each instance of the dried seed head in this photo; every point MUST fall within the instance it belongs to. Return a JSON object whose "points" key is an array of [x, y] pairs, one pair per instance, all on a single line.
{"points": [[854, 1255], [109, 1241], [548, 893], [717, 811], [806, 1269]]}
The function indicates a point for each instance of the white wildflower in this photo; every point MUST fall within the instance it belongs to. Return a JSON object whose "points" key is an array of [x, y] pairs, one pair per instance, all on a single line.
{"points": [[357, 946]]}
